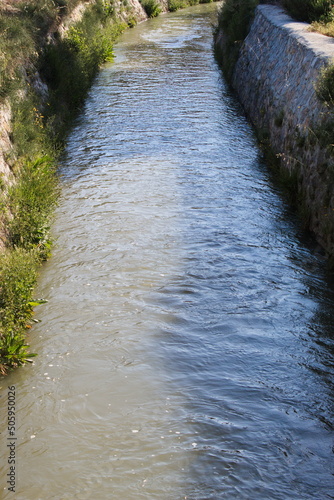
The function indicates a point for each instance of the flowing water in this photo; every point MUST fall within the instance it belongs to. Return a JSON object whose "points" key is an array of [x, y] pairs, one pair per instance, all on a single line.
{"points": [[186, 351]]}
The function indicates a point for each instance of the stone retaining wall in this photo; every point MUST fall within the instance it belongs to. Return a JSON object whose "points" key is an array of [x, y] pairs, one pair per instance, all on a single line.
{"points": [[275, 77]]}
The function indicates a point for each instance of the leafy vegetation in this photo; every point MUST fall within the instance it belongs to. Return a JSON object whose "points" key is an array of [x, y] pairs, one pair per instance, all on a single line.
{"points": [[18, 269], [325, 86], [234, 19], [70, 65], [16, 48], [174, 5], [310, 10], [151, 7], [31, 201], [325, 92]]}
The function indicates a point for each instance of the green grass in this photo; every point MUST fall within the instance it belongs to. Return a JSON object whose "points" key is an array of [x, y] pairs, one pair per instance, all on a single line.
{"points": [[18, 273], [323, 27], [16, 49], [31, 202]]}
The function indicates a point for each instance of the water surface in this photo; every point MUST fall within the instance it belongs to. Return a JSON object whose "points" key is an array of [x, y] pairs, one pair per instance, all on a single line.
{"points": [[186, 351]]}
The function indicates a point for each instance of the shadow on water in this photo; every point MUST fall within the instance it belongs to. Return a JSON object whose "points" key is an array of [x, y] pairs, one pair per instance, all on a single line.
{"points": [[248, 342], [258, 391], [250, 348]]}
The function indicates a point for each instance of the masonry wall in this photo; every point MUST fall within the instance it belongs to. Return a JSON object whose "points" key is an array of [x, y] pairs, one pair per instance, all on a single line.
{"points": [[275, 77]]}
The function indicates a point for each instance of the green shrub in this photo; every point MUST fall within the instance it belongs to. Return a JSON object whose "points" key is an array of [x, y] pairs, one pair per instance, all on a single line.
{"points": [[325, 85], [234, 18], [309, 10], [18, 272], [132, 22], [151, 7], [174, 5], [31, 201], [70, 65]]}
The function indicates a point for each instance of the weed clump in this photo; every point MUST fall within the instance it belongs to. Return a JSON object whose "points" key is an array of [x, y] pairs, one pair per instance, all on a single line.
{"points": [[31, 201], [325, 86], [18, 271], [151, 7], [234, 19], [309, 10], [325, 92]]}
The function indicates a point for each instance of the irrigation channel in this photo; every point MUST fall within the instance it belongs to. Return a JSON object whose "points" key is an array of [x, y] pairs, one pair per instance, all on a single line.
{"points": [[186, 351]]}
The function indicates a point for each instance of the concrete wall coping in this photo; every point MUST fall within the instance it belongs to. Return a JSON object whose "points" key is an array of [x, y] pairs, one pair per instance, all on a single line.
{"points": [[321, 45]]}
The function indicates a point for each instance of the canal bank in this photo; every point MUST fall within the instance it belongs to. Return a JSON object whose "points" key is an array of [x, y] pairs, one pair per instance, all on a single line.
{"points": [[276, 75]]}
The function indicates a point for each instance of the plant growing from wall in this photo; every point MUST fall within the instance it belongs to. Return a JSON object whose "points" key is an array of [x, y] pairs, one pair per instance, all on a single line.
{"points": [[234, 18], [325, 92], [325, 86]]}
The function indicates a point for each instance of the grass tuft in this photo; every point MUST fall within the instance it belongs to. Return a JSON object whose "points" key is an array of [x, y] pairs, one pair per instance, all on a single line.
{"points": [[325, 86], [151, 7]]}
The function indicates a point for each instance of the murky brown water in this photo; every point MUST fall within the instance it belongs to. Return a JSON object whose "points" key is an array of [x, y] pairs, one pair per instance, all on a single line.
{"points": [[186, 350]]}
